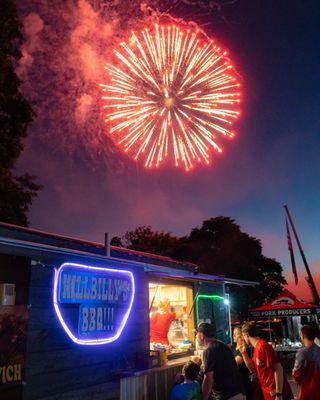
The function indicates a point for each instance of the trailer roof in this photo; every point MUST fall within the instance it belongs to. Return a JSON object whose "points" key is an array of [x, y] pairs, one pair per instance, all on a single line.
{"points": [[162, 266]]}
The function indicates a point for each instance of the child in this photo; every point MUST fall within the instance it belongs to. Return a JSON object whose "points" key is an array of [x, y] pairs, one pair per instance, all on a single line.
{"points": [[190, 388]]}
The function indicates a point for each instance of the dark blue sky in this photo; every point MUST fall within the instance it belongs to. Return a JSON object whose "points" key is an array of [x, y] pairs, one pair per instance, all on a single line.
{"points": [[274, 159]]}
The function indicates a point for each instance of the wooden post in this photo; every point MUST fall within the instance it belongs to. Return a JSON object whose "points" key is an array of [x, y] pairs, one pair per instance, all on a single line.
{"points": [[107, 244]]}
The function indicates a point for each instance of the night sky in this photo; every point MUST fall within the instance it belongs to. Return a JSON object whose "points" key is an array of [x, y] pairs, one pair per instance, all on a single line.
{"points": [[273, 160]]}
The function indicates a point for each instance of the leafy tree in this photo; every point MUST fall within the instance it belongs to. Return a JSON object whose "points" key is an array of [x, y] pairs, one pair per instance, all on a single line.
{"points": [[16, 193], [145, 239], [219, 247], [116, 241]]}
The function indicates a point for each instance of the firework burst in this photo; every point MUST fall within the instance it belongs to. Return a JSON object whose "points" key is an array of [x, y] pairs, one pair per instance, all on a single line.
{"points": [[171, 96]]}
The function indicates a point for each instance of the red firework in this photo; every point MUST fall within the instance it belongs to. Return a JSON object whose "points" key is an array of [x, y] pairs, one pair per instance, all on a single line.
{"points": [[172, 96]]}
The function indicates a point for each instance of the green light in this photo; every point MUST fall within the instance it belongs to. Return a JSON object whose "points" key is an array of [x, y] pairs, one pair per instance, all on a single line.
{"points": [[212, 297]]}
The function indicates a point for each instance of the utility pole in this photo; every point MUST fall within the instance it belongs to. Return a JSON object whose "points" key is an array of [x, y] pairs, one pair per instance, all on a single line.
{"points": [[310, 280]]}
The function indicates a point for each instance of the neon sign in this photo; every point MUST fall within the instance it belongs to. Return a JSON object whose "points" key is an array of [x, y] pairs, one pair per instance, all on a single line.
{"points": [[207, 311], [93, 304]]}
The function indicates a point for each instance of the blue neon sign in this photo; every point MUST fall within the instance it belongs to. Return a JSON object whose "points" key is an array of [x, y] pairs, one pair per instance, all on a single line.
{"points": [[93, 304]]}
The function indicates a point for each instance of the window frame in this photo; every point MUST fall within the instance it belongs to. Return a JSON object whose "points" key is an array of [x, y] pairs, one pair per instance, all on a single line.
{"points": [[175, 282]]}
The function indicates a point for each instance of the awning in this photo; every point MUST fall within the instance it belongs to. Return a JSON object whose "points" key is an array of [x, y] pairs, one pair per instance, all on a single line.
{"points": [[163, 272], [32, 242], [34, 250], [285, 305]]}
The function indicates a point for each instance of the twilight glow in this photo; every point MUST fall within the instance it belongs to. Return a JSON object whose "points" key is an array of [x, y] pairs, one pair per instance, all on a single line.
{"points": [[172, 96]]}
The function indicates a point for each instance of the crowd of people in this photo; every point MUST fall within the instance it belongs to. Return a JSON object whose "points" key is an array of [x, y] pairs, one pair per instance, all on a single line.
{"points": [[250, 370]]}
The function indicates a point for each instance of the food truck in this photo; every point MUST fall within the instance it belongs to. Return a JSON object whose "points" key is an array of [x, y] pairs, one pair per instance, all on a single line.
{"points": [[80, 319]]}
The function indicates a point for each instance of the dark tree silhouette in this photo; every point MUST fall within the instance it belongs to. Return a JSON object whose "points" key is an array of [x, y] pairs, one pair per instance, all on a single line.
{"points": [[145, 239], [219, 247], [16, 193], [116, 241]]}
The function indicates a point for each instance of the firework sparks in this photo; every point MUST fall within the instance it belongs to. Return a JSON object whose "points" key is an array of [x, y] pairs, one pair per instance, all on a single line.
{"points": [[172, 96]]}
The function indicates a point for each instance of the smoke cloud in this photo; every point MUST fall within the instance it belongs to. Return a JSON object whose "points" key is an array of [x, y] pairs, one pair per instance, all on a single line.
{"points": [[63, 61], [33, 24]]}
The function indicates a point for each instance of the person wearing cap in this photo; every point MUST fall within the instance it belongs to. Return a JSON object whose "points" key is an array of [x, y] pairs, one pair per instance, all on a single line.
{"points": [[221, 374]]}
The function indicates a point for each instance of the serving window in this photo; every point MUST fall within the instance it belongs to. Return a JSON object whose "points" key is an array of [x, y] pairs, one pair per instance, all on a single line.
{"points": [[171, 317]]}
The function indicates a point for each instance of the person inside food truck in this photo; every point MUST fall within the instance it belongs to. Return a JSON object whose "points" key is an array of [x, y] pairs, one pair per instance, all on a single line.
{"points": [[160, 322]]}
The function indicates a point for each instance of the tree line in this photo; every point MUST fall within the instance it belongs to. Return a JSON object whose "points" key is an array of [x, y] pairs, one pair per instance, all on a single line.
{"points": [[16, 114], [218, 247]]}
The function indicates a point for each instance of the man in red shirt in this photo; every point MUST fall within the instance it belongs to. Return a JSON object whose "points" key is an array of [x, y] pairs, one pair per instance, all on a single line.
{"points": [[306, 371], [266, 364]]}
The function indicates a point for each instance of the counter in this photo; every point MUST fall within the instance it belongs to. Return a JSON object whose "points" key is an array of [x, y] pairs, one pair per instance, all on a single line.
{"points": [[287, 349], [155, 383]]}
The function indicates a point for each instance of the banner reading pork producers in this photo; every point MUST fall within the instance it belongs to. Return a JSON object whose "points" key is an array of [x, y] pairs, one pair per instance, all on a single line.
{"points": [[285, 312], [93, 304]]}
